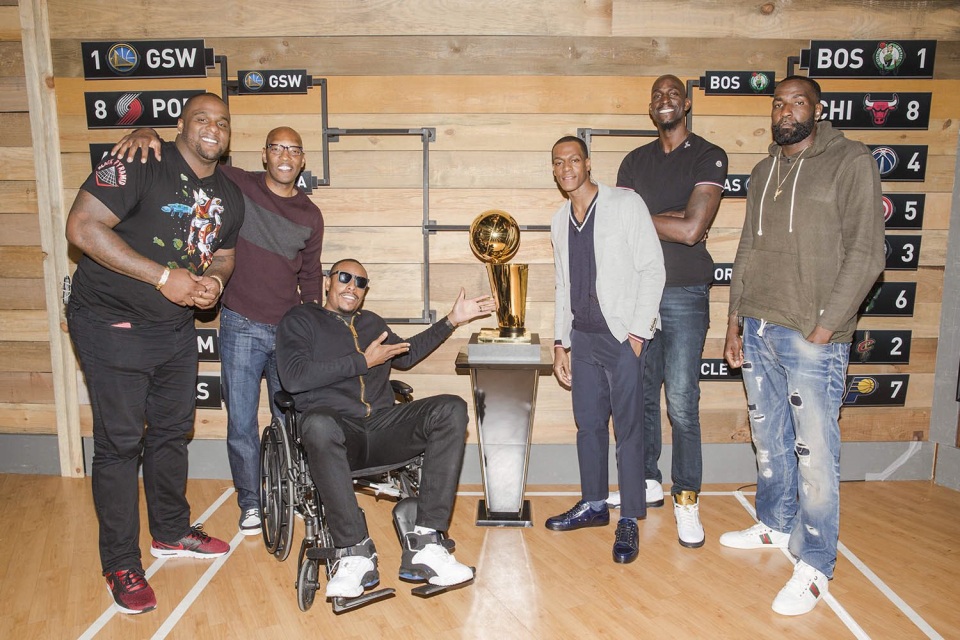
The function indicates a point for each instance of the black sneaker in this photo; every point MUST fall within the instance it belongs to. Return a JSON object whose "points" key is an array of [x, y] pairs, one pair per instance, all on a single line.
{"points": [[626, 542], [130, 591]]}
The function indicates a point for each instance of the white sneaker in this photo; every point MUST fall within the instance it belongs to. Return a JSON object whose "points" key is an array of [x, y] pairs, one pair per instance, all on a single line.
{"points": [[654, 493], [426, 557], [759, 536], [802, 591], [686, 511], [654, 496], [354, 570], [250, 524]]}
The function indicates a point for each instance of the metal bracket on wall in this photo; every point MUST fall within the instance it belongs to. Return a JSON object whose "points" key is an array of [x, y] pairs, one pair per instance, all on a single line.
{"points": [[690, 85], [792, 62], [587, 134], [427, 135]]}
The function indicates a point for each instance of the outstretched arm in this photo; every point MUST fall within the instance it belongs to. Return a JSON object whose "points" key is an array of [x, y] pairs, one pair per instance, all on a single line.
{"points": [[139, 139]]}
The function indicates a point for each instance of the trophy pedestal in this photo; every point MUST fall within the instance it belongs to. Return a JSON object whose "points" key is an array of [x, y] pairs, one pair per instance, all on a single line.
{"points": [[504, 399], [490, 346]]}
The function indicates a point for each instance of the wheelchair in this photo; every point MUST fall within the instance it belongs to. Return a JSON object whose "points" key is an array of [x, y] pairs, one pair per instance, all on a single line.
{"points": [[287, 492]]}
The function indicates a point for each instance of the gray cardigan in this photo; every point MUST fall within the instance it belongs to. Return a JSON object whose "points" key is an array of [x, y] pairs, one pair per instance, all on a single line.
{"points": [[630, 272]]}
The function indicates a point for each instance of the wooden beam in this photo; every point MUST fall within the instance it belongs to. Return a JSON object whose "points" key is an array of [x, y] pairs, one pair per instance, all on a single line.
{"points": [[45, 133]]}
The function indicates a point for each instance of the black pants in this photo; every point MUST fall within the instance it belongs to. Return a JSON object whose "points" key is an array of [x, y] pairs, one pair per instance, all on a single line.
{"points": [[608, 378], [136, 376], [336, 444]]}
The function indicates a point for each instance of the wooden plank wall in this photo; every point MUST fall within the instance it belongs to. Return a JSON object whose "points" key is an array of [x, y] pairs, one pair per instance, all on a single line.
{"points": [[500, 81]]}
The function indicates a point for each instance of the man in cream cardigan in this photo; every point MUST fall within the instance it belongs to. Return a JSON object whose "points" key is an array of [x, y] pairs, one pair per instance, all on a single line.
{"points": [[609, 279]]}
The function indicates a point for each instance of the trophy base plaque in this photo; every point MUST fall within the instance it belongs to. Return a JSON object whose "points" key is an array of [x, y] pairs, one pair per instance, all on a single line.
{"points": [[525, 348], [498, 519], [504, 336]]}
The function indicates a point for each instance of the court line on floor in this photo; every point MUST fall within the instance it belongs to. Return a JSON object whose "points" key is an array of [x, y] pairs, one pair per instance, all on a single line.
{"points": [[828, 597], [877, 582], [197, 589], [542, 494], [111, 611]]}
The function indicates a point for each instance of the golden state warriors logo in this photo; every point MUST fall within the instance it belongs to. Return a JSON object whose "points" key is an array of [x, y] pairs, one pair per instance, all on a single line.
{"points": [[860, 386], [253, 81], [888, 57], [759, 81], [123, 58]]}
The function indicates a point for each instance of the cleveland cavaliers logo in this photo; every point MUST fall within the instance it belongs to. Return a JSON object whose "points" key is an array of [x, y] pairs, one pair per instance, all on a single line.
{"points": [[865, 347], [886, 159], [129, 108]]}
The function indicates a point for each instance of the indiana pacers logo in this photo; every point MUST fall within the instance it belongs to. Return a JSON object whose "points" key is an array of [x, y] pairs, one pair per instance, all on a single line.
{"points": [[888, 57], [886, 159], [129, 108], [859, 387], [759, 81], [888, 209], [253, 81], [123, 58]]}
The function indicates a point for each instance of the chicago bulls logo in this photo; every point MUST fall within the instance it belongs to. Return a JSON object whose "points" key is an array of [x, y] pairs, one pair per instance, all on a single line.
{"points": [[880, 109]]}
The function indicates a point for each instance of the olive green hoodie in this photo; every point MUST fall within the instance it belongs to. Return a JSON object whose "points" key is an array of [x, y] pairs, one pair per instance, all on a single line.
{"points": [[811, 255]]}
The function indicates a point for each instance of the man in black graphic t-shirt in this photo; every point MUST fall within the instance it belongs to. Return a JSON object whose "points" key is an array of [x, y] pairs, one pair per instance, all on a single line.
{"points": [[680, 176], [158, 239]]}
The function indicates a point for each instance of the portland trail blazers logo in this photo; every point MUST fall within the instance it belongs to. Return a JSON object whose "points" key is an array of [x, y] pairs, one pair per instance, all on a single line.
{"points": [[129, 109], [886, 159], [880, 109]]}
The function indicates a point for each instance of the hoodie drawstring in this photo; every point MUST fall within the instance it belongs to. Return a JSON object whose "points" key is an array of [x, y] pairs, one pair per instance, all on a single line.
{"points": [[764, 196], [793, 193]]}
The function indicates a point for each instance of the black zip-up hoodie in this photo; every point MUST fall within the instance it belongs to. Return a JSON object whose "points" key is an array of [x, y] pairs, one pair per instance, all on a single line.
{"points": [[320, 359], [810, 255]]}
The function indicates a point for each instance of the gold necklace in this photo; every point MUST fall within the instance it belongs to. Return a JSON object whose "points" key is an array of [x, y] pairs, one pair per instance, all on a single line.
{"points": [[779, 181]]}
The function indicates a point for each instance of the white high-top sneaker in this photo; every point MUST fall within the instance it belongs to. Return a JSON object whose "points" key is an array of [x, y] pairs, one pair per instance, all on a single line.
{"points": [[355, 570], [427, 557], [686, 511]]}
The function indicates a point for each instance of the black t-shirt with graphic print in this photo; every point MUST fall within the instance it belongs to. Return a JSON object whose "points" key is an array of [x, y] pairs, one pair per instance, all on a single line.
{"points": [[665, 182], [168, 215]]}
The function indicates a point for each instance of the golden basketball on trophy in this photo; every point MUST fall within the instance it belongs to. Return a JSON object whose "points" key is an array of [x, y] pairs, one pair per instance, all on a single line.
{"points": [[495, 238]]}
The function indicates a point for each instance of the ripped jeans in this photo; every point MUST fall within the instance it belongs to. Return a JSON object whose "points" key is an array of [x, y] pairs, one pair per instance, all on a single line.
{"points": [[794, 391]]}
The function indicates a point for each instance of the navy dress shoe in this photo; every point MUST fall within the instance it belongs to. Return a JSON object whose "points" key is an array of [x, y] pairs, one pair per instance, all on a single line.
{"points": [[626, 544], [581, 515]]}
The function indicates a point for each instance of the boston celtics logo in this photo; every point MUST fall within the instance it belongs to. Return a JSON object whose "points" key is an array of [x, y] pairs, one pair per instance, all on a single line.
{"points": [[888, 57], [759, 81]]}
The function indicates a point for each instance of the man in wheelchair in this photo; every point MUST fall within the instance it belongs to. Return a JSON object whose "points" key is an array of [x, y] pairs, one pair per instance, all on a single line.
{"points": [[335, 359]]}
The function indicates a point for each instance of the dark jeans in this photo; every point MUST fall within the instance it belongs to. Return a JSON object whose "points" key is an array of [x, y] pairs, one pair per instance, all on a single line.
{"points": [[335, 445], [136, 376], [673, 361], [608, 378], [248, 352]]}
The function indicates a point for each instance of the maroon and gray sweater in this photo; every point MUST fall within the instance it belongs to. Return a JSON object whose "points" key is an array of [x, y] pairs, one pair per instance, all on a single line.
{"points": [[278, 251]]}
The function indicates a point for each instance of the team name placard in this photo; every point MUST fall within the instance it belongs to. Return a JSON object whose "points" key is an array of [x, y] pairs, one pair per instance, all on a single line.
{"points": [[877, 110], [871, 346], [209, 392], [736, 185], [145, 59], [738, 83], [903, 210], [890, 299], [902, 252], [208, 345], [273, 81], [718, 369], [869, 58], [130, 109], [876, 390], [900, 162]]}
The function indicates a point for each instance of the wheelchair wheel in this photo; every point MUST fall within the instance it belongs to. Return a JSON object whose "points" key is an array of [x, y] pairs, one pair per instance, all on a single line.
{"points": [[276, 490], [307, 583]]}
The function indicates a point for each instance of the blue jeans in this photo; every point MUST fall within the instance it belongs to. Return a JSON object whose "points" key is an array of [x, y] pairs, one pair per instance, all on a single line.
{"points": [[794, 392], [248, 351], [673, 360]]}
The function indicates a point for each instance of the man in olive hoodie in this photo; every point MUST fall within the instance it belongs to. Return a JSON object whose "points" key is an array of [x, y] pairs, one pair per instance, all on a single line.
{"points": [[811, 248]]}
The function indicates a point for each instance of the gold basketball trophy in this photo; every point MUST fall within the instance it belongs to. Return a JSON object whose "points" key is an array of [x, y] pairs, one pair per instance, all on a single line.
{"points": [[494, 239]]}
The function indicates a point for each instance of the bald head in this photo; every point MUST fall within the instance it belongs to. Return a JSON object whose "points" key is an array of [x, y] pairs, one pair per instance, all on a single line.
{"points": [[286, 133]]}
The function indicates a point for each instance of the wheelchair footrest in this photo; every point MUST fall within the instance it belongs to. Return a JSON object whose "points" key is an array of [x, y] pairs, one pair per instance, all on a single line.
{"points": [[427, 590], [320, 553], [346, 604]]}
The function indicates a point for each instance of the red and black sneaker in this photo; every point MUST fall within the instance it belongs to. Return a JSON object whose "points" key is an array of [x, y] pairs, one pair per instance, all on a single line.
{"points": [[196, 544], [130, 591]]}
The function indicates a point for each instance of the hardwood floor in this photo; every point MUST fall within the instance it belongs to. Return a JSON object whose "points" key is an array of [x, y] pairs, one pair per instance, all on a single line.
{"points": [[531, 583]]}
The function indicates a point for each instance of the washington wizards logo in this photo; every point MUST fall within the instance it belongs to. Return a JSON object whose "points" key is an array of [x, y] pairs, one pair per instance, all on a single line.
{"points": [[253, 81], [123, 58], [888, 57], [129, 108], [759, 81], [888, 209], [886, 159]]}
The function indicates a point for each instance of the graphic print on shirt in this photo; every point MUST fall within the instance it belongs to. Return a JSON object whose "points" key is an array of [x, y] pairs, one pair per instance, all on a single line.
{"points": [[204, 227]]}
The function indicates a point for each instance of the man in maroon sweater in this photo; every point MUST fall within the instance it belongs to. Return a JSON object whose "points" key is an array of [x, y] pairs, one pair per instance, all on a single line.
{"points": [[277, 268]]}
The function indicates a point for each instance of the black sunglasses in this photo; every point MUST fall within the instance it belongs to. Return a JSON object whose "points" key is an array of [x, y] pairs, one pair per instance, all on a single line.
{"points": [[344, 277]]}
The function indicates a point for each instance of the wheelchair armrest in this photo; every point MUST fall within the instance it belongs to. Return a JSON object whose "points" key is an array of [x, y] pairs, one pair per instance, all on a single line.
{"points": [[401, 388], [284, 400]]}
